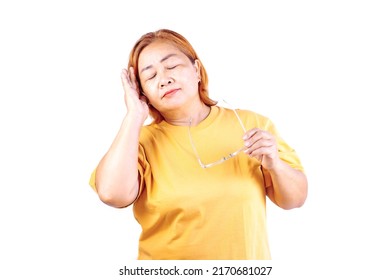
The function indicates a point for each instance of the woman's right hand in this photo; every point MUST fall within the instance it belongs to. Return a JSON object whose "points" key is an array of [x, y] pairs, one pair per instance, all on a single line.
{"points": [[136, 103]]}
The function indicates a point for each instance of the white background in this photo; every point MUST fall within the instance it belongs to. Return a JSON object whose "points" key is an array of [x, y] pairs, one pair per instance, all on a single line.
{"points": [[319, 69]]}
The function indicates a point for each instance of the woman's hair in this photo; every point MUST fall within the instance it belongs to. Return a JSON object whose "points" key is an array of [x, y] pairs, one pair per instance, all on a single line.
{"points": [[185, 47]]}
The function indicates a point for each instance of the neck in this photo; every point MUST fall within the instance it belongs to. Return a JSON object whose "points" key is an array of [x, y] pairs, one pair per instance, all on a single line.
{"points": [[194, 115]]}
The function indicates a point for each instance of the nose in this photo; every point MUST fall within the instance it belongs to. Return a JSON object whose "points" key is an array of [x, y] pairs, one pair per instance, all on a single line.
{"points": [[165, 82]]}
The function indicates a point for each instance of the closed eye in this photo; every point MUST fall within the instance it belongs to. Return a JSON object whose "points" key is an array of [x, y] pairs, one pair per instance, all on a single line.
{"points": [[172, 67], [151, 77]]}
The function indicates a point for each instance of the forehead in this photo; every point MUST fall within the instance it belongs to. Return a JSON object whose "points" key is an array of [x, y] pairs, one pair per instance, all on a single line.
{"points": [[156, 51]]}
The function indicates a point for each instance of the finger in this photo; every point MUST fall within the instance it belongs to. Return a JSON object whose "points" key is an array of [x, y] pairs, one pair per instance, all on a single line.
{"points": [[255, 136], [131, 74], [263, 148], [125, 80], [133, 79], [125, 75], [260, 142], [129, 87], [256, 132], [258, 145], [250, 133]]}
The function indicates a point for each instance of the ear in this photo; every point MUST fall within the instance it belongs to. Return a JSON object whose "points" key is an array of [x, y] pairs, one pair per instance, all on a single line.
{"points": [[198, 66]]}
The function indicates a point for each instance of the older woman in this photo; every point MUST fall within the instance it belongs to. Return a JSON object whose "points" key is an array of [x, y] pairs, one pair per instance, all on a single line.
{"points": [[199, 174]]}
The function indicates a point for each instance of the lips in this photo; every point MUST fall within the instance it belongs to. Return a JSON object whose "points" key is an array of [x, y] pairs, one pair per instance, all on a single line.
{"points": [[170, 92]]}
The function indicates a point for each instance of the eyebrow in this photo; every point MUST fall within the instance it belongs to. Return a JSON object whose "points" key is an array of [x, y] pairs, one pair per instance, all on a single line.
{"points": [[162, 60]]}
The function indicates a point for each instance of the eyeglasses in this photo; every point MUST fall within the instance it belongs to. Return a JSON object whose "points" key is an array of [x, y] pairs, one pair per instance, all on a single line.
{"points": [[224, 158]]}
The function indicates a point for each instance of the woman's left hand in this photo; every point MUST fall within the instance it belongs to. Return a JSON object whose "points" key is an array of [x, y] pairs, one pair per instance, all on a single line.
{"points": [[262, 145]]}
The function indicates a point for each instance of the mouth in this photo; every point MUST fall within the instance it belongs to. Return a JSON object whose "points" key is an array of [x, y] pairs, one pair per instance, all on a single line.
{"points": [[170, 92]]}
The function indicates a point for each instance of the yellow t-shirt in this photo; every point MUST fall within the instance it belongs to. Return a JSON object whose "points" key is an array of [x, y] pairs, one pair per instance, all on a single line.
{"points": [[188, 212]]}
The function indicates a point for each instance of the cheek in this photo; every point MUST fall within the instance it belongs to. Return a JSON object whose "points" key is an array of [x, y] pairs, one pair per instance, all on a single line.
{"points": [[191, 79], [148, 90]]}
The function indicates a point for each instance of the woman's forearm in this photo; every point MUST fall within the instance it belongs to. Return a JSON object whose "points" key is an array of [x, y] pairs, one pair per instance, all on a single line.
{"points": [[289, 186], [117, 172]]}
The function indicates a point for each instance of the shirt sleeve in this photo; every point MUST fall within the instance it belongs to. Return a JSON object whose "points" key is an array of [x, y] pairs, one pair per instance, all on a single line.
{"points": [[92, 180], [285, 151], [144, 171]]}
